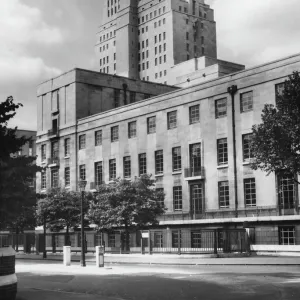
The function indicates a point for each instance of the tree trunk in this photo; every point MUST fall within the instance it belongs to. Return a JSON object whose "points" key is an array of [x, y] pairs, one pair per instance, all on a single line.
{"points": [[17, 239], [127, 236], [68, 237]]}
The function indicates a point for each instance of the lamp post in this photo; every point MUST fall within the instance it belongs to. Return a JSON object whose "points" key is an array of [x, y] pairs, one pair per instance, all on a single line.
{"points": [[82, 184], [45, 251]]}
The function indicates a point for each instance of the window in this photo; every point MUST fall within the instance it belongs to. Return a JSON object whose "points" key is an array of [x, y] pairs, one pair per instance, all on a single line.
{"points": [[246, 101], [132, 97], [67, 176], [127, 166], [247, 152], [111, 240], [132, 129], [187, 36], [54, 178], [112, 169], [117, 98], [286, 191], [176, 159], [30, 148], [82, 172], [43, 180], [194, 114], [82, 141], [67, 147], [177, 197], [222, 148], [54, 149], [187, 47], [159, 162], [98, 173], [279, 90], [223, 194], [221, 108], [43, 152], [176, 239], [158, 239], [196, 239], [250, 192], [98, 137], [114, 133], [142, 164], [160, 199], [151, 125], [287, 235], [195, 159], [172, 119]]}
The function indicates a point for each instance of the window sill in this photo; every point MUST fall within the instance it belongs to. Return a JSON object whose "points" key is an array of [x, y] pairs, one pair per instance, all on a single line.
{"points": [[222, 167], [159, 175], [246, 163], [67, 156], [176, 172]]}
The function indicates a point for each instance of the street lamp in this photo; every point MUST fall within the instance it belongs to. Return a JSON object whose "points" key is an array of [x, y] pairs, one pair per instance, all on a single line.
{"points": [[82, 184]]}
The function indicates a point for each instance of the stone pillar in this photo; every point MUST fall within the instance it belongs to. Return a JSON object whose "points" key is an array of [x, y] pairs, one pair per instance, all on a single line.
{"points": [[67, 255], [100, 256]]}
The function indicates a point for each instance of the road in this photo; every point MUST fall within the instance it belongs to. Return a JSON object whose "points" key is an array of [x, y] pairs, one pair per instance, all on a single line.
{"points": [[51, 280]]}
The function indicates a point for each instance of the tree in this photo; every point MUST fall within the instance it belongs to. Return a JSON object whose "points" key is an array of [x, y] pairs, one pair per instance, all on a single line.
{"points": [[276, 141], [127, 204], [16, 173], [61, 209]]}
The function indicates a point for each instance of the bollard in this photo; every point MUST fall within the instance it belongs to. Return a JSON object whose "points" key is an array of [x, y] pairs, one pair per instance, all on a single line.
{"points": [[100, 256], [67, 255]]}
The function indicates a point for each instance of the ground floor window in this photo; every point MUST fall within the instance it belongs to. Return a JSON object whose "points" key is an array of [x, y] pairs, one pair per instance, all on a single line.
{"points": [[176, 239], [196, 239], [111, 240], [158, 239], [287, 235]]}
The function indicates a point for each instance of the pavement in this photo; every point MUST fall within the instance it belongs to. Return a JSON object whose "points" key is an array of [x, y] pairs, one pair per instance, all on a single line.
{"points": [[170, 259]]}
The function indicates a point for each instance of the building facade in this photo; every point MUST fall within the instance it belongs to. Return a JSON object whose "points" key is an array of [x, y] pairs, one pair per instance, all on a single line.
{"points": [[143, 39], [183, 137]]}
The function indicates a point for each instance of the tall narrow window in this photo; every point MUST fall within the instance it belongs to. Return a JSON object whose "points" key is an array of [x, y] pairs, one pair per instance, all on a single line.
{"points": [[132, 97], [221, 108], [172, 119], [67, 147], [43, 152], [82, 141], [82, 172], [67, 176], [43, 180], [177, 197], [158, 239], [132, 129], [246, 101], [159, 162], [160, 200], [114, 134], [112, 169], [117, 97], [247, 151], [176, 239], [127, 166], [222, 152], [142, 164], [54, 149], [98, 173], [151, 125], [223, 194], [286, 191], [176, 159], [98, 137], [54, 178], [195, 159], [194, 114], [250, 192], [196, 239], [279, 90]]}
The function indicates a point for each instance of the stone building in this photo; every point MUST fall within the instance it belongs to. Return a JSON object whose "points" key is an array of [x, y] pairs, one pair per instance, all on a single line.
{"points": [[91, 126]]}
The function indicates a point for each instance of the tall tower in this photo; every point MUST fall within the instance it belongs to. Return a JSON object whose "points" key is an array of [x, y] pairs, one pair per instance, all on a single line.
{"points": [[143, 39]]}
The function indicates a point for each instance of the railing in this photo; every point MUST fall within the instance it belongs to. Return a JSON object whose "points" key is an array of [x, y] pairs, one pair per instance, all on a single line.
{"points": [[194, 172], [53, 132], [53, 161]]}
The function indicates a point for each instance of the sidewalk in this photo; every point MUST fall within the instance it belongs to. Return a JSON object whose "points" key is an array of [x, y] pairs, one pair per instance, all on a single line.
{"points": [[170, 259]]}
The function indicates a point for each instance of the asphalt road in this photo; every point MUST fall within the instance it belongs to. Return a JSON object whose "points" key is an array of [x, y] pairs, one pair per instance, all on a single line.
{"points": [[51, 280]]}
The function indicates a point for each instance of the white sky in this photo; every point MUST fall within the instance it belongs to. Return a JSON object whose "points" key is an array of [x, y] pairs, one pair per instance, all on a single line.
{"points": [[39, 40]]}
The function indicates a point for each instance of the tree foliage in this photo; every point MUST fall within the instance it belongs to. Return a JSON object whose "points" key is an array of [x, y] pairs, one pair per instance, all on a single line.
{"points": [[276, 141]]}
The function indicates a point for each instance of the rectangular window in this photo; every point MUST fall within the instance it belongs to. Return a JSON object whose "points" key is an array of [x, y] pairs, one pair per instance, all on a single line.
{"points": [[151, 125], [176, 159], [250, 192], [43, 180], [132, 129], [82, 141], [196, 239], [172, 119], [286, 191], [54, 149], [114, 134], [43, 152], [132, 97], [159, 162], [111, 240], [246, 101], [287, 235], [98, 137], [223, 194], [98, 173], [82, 172], [67, 147], [112, 169], [176, 239], [247, 152], [279, 90], [158, 239], [221, 108], [117, 98], [195, 159], [127, 166], [161, 199], [67, 176], [177, 197], [187, 36], [54, 178], [142, 164], [194, 114], [222, 151]]}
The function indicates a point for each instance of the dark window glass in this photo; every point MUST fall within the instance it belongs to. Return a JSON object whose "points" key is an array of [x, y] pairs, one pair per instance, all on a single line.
{"points": [[67, 176], [159, 162], [287, 235], [194, 114], [82, 172], [176, 159], [132, 129], [177, 197], [247, 151], [287, 191], [172, 119], [221, 108], [224, 194], [98, 137], [151, 125], [98, 173], [82, 141], [222, 152], [112, 169], [250, 192], [114, 134], [67, 147], [127, 166], [142, 164], [54, 178], [247, 101]]}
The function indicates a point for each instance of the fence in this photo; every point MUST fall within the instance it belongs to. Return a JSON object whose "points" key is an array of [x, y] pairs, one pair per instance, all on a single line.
{"points": [[183, 241]]}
